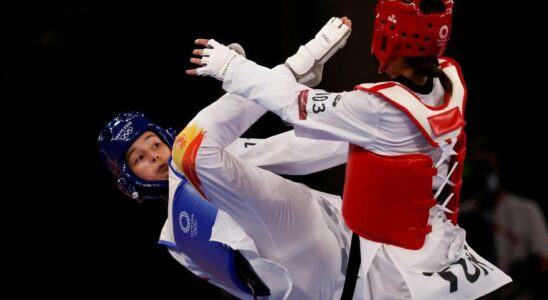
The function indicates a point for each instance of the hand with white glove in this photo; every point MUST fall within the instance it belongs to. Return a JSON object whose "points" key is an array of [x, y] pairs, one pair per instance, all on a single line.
{"points": [[215, 58], [307, 63]]}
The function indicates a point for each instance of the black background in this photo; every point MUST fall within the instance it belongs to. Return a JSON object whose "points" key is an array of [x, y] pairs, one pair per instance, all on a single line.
{"points": [[69, 66]]}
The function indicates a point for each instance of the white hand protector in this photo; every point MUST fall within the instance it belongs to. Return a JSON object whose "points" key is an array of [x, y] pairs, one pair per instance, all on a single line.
{"points": [[238, 48], [216, 60], [307, 63]]}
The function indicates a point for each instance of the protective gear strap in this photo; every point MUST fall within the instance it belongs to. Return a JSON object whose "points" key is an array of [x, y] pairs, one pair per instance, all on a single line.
{"points": [[456, 177]]}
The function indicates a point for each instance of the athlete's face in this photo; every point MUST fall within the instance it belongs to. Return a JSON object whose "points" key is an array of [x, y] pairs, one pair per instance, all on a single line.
{"points": [[148, 157]]}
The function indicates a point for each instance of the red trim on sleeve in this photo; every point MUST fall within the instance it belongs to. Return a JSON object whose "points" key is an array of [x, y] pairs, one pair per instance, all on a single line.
{"points": [[303, 100]]}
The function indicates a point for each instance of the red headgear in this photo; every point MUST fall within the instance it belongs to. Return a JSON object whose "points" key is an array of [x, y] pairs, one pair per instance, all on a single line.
{"points": [[403, 29]]}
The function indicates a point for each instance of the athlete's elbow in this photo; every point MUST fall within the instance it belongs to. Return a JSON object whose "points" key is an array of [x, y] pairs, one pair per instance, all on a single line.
{"points": [[208, 158]]}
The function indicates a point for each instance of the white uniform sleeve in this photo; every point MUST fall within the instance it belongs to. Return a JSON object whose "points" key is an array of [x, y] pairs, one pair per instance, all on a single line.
{"points": [[227, 118], [242, 145], [288, 154], [348, 116]]}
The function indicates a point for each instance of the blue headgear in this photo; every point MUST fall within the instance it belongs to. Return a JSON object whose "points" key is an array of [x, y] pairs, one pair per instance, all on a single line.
{"points": [[114, 141]]}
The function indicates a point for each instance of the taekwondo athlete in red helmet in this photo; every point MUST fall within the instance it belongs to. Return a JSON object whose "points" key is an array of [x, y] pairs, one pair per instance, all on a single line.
{"points": [[407, 145]]}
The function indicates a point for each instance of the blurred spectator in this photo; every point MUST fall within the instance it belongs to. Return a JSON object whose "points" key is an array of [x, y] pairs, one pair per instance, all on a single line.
{"points": [[503, 227]]}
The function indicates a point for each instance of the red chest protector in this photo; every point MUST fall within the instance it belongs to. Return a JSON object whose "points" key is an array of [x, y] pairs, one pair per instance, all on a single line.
{"points": [[387, 198]]}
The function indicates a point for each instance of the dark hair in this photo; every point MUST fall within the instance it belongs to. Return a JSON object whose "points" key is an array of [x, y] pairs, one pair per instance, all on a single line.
{"points": [[429, 66], [432, 6]]}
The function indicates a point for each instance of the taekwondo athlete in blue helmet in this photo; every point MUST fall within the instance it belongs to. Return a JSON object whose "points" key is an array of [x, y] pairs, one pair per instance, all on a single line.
{"points": [[230, 218]]}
